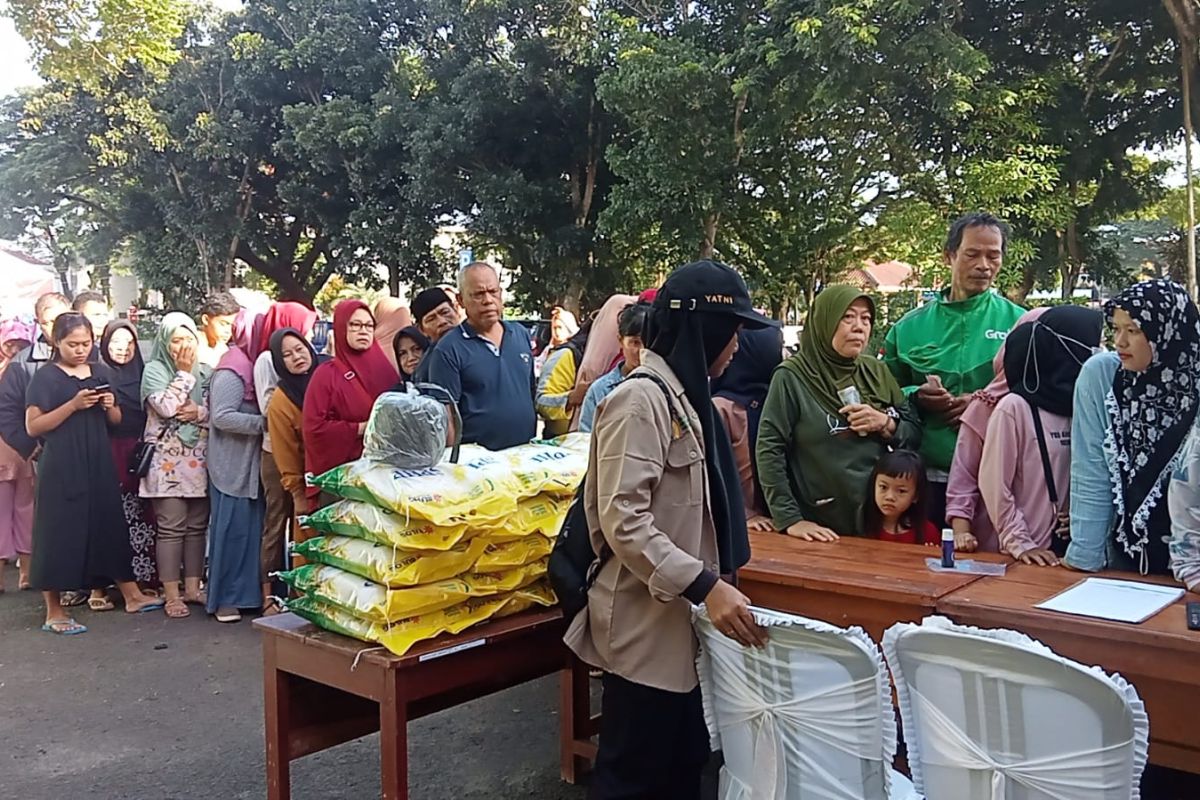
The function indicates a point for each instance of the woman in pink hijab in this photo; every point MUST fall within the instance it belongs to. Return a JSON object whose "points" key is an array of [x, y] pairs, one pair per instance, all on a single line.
{"points": [[391, 317], [973, 529], [603, 346]]}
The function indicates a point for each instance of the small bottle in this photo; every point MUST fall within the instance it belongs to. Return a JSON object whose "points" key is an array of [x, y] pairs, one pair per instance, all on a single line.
{"points": [[947, 548]]}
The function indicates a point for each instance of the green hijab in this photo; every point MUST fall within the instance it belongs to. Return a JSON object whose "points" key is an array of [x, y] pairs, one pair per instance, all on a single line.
{"points": [[823, 372], [160, 370]]}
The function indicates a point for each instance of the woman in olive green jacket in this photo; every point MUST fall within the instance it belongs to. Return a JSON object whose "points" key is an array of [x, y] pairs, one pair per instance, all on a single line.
{"points": [[831, 412]]}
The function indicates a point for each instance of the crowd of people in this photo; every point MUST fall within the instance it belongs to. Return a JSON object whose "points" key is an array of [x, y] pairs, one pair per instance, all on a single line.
{"points": [[177, 474]]}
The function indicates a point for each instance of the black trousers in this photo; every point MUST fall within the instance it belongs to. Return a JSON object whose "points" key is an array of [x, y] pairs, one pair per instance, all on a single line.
{"points": [[935, 511], [653, 743]]}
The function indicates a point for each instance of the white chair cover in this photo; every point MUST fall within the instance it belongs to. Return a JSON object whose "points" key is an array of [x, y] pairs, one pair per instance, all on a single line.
{"points": [[995, 715], [808, 718]]}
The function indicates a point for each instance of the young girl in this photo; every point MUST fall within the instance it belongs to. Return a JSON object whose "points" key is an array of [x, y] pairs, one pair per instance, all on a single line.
{"points": [[896, 500]]}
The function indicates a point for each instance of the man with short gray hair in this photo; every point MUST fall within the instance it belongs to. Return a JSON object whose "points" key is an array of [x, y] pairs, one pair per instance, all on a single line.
{"points": [[486, 365]]}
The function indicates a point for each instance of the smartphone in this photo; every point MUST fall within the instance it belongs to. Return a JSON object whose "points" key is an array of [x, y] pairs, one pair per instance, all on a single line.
{"points": [[102, 389], [935, 381]]}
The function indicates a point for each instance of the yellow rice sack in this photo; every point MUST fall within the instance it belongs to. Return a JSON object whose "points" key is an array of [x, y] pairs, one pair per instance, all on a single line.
{"points": [[399, 637], [542, 514], [332, 618], [550, 466], [480, 488], [484, 487], [379, 525], [536, 594], [378, 604], [387, 565], [509, 555]]}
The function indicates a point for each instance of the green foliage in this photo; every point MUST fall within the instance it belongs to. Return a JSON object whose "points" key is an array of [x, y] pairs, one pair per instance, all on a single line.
{"points": [[592, 147]]}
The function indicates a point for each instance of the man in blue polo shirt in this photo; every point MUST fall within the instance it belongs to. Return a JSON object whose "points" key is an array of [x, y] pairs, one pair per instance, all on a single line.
{"points": [[486, 364]]}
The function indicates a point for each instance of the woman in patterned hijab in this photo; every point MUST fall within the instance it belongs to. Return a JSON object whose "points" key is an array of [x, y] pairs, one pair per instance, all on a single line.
{"points": [[1152, 405]]}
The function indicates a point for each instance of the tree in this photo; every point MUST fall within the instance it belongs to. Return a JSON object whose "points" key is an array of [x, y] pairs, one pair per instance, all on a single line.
{"points": [[511, 138]]}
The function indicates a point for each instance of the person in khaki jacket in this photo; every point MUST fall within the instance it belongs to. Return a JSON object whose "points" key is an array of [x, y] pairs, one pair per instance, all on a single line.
{"points": [[664, 510]]}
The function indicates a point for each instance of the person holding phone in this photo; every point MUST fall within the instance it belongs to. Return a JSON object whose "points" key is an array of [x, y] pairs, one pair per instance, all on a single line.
{"points": [[79, 532], [942, 352], [816, 446]]}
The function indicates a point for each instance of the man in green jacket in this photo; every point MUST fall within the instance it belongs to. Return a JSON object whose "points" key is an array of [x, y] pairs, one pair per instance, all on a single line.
{"points": [[943, 350]]}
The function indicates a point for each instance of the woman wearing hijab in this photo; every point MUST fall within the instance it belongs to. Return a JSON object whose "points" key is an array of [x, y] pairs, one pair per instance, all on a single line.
{"points": [[831, 412], [174, 393], [562, 327], [665, 508], [16, 474], [234, 465], [559, 394], [391, 317], [279, 510], [409, 347], [965, 512], [295, 360], [739, 396], [1025, 469], [343, 391], [1152, 403], [119, 350]]}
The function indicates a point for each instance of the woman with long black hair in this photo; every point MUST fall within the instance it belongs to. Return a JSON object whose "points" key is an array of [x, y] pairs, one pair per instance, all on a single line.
{"points": [[80, 540], [664, 506]]}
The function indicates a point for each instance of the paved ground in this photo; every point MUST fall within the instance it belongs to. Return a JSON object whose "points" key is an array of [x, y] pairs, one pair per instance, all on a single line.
{"points": [[109, 716], [145, 708]]}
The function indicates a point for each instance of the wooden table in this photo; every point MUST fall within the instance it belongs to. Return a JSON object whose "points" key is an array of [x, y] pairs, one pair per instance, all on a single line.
{"points": [[1160, 657], [322, 689], [852, 581]]}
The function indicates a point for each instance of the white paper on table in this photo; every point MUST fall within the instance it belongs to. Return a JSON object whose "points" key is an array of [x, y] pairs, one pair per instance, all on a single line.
{"points": [[1120, 601]]}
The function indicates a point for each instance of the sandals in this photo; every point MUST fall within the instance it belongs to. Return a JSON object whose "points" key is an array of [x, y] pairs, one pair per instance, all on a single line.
{"points": [[100, 604], [64, 627], [227, 614], [271, 608], [72, 599], [176, 609], [154, 605], [199, 600]]}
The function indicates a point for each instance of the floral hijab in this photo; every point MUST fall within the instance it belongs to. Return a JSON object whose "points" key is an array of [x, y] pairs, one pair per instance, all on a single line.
{"points": [[1152, 411]]}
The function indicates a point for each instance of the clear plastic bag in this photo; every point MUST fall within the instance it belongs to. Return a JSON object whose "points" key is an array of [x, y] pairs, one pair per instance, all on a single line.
{"points": [[407, 430]]}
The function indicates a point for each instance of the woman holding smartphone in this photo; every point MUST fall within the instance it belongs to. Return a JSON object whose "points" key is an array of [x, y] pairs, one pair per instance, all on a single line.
{"points": [[79, 532]]}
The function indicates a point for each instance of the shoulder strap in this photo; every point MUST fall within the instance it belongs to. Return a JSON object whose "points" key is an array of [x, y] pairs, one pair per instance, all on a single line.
{"points": [[676, 416], [1046, 470]]}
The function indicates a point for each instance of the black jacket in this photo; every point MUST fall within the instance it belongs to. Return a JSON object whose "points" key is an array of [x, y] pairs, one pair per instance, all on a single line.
{"points": [[12, 395]]}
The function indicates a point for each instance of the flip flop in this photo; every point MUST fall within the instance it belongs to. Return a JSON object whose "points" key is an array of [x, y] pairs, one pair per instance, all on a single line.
{"points": [[72, 599], [154, 606], [64, 627], [100, 604], [228, 615], [176, 609]]}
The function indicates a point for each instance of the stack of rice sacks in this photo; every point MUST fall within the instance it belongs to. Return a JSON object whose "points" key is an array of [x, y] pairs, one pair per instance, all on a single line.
{"points": [[408, 555]]}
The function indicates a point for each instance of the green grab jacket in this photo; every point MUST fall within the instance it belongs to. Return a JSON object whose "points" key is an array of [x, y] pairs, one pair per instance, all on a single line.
{"points": [[955, 341]]}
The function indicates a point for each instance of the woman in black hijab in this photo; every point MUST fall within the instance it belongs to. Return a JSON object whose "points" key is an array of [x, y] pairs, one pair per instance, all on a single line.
{"points": [[664, 509], [738, 396], [120, 351], [294, 360]]}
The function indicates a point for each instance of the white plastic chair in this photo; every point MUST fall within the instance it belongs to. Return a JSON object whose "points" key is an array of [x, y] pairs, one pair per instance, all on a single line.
{"points": [[995, 715], [810, 717]]}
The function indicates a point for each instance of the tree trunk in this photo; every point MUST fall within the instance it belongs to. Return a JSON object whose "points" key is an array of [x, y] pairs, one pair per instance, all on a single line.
{"points": [[1190, 134], [709, 245], [1071, 264], [394, 280]]}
